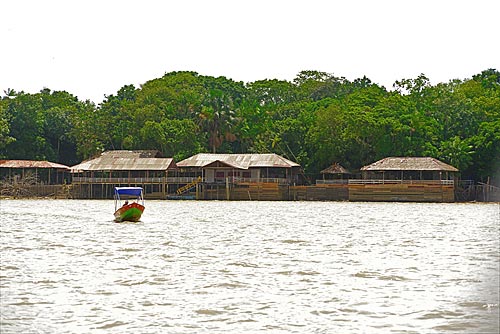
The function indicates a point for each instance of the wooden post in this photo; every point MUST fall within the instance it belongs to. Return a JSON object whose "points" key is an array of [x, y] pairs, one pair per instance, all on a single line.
{"points": [[487, 197], [163, 191], [442, 194], [91, 174]]}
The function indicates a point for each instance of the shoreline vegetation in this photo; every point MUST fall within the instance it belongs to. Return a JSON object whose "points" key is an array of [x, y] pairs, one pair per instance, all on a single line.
{"points": [[314, 120], [29, 187]]}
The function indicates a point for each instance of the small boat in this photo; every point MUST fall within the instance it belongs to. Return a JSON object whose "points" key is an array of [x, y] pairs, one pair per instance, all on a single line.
{"points": [[129, 211]]}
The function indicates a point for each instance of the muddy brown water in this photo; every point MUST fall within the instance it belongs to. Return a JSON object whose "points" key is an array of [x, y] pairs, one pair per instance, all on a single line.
{"points": [[249, 267]]}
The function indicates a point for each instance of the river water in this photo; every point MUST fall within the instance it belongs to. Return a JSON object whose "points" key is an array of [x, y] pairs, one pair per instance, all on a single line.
{"points": [[249, 267]]}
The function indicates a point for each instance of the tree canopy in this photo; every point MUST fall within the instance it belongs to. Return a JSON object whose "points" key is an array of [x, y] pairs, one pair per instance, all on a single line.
{"points": [[315, 119]]}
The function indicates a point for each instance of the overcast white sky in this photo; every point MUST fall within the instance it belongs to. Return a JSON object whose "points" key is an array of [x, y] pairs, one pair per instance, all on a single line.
{"points": [[92, 48]]}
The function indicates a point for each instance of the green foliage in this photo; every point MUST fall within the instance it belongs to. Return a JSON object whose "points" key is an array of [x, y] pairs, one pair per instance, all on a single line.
{"points": [[315, 120], [175, 138], [5, 138], [486, 161], [457, 152]]}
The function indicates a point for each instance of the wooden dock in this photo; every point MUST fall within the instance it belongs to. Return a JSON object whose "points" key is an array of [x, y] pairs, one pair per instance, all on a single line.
{"points": [[357, 190], [353, 190], [320, 192], [402, 192], [251, 191]]}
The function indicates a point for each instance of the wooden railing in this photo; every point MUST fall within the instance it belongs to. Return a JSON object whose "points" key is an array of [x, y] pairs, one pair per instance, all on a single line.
{"points": [[188, 186], [332, 181], [258, 180], [170, 180], [117, 180], [440, 182], [181, 179]]}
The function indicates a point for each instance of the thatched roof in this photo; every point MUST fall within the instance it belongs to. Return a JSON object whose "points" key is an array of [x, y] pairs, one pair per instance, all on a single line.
{"points": [[409, 164], [125, 160], [31, 164], [335, 168], [240, 161]]}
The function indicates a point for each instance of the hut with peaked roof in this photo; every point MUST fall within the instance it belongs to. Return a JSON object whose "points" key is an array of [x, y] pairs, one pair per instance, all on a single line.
{"points": [[217, 168], [409, 168], [241, 176], [335, 173], [332, 187], [44, 172], [97, 177], [32, 178], [415, 179]]}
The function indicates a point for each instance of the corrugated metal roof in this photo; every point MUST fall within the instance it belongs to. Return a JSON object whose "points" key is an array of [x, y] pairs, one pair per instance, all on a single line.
{"points": [[240, 161], [131, 154], [30, 164], [108, 162], [409, 163]]}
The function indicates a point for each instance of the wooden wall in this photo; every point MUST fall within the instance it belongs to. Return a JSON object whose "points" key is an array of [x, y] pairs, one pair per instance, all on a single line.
{"points": [[271, 191], [333, 192], [401, 192], [320, 192]]}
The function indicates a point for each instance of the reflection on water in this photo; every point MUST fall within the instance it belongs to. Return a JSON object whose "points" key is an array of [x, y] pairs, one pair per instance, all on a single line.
{"points": [[248, 267]]}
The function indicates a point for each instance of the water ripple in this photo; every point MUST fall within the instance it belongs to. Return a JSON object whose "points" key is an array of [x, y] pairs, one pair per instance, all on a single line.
{"points": [[249, 267]]}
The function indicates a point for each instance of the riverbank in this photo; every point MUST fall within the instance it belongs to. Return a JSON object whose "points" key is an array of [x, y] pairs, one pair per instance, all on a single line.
{"points": [[276, 192]]}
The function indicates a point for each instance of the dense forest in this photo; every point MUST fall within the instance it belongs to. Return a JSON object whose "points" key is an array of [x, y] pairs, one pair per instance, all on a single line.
{"points": [[315, 120]]}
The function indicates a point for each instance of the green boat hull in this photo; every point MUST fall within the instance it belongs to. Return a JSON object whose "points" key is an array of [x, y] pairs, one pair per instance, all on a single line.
{"points": [[131, 212]]}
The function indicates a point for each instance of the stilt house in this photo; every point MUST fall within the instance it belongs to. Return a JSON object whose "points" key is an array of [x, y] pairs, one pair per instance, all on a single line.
{"points": [[220, 168], [409, 169], [415, 179], [335, 173], [97, 177], [44, 172]]}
